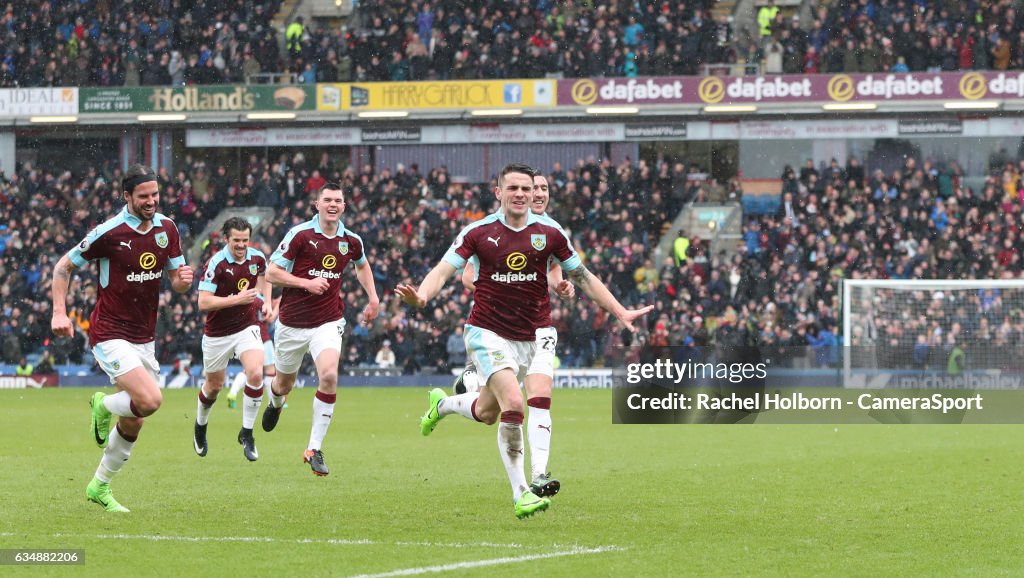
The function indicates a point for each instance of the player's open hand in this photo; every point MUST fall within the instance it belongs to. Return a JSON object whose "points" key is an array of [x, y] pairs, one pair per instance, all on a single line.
{"points": [[246, 297], [565, 290], [370, 312], [630, 315], [267, 312], [317, 286], [61, 325], [410, 295]]}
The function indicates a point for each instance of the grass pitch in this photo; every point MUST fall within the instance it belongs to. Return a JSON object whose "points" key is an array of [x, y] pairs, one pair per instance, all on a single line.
{"points": [[636, 500]]}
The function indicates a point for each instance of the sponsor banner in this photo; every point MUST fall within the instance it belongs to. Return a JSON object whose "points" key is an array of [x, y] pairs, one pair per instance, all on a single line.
{"points": [[459, 94], [38, 101], [33, 382], [817, 129], [655, 131], [271, 137], [247, 98], [583, 378], [823, 88], [912, 127], [523, 133], [370, 135]]}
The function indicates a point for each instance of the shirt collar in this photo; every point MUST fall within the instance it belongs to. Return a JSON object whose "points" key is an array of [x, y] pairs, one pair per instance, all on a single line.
{"points": [[134, 222], [320, 231], [231, 258], [530, 219]]}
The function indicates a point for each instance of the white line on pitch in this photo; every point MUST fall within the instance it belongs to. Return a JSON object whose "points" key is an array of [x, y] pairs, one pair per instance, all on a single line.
{"points": [[264, 539], [490, 562]]}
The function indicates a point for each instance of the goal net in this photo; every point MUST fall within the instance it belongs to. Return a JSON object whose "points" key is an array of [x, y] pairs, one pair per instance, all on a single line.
{"points": [[933, 334]]}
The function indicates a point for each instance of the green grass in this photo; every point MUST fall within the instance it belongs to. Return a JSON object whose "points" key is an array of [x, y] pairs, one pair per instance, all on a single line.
{"points": [[665, 500]]}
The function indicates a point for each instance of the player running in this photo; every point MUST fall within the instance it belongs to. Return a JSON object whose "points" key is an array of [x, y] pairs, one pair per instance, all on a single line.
{"points": [[308, 264], [537, 383], [233, 291], [133, 249], [514, 247]]}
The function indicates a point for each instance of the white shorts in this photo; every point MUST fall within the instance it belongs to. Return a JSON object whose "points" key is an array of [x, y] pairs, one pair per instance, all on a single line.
{"points": [[218, 351], [268, 352], [117, 357], [291, 343], [543, 361]]}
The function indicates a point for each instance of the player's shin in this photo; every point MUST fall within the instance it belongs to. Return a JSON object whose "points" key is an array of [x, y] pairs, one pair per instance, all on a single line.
{"points": [[204, 406], [539, 436], [119, 448], [510, 446], [251, 405], [463, 404], [323, 411]]}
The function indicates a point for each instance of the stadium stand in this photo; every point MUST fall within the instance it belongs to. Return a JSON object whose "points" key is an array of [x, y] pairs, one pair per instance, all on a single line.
{"points": [[45, 43], [918, 221]]}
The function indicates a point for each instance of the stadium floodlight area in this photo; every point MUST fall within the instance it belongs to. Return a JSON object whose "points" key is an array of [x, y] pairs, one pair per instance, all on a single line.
{"points": [[933, 334]]}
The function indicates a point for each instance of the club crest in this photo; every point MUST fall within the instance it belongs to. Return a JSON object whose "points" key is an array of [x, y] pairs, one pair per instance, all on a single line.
{"points": [[539, 242], [343, 247], [252, 268], [161, 240]]}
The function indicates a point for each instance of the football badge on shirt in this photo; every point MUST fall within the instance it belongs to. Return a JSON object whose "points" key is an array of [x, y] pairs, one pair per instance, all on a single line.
{"points": [[161, 240], [539, 241], [343, 247], [252, 268]]}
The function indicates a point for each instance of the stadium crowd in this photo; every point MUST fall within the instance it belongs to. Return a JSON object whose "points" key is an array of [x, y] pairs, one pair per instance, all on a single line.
{"points": [[114, 43], [779, 288]]}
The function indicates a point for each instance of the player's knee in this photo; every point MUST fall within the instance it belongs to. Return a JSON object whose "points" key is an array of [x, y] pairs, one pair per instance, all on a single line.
{"points": [[329, 379], [148, 403], [213, 386], [253, 376]]}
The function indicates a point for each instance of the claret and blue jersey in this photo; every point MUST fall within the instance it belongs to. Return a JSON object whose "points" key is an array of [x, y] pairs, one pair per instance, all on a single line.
{"points": [[131, 268], [511, 296]]}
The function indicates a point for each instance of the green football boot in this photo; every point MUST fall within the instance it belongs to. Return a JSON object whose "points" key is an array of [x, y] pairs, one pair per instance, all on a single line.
{"points": [[529, 504], [99, 492], [429, 420]]}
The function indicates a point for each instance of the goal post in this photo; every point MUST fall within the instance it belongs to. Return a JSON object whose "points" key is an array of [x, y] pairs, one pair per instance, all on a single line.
{"points": [[933, 333]]}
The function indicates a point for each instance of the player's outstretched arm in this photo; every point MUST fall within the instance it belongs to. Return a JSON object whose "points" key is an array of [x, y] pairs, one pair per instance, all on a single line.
{"points": [[60, 324], [181, 278], [429, 288], [597, 291], [364, 274], [278, 276], [468, 275]]}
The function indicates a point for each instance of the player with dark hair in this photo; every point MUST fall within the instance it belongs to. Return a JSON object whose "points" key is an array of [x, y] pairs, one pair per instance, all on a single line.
{"points": [[308, 265], [539, 377], [233, 291], [133, 249], [514, 247]]}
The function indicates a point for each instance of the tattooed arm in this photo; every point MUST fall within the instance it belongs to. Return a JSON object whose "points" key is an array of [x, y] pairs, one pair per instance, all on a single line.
{"points": [[62, 272], [597, 291]]}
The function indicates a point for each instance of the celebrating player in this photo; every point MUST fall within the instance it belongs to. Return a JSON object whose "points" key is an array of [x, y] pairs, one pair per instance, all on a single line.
{"points": [[514, 247], [538, 383], [233, 291], [308, 264], [134, 249]]}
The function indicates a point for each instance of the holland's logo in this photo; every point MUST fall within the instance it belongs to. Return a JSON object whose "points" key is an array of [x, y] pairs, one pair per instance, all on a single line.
{"points": [[161, 240], [243, 284], [147, 260], [343, 247], [253, 269], [539, 242]]}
